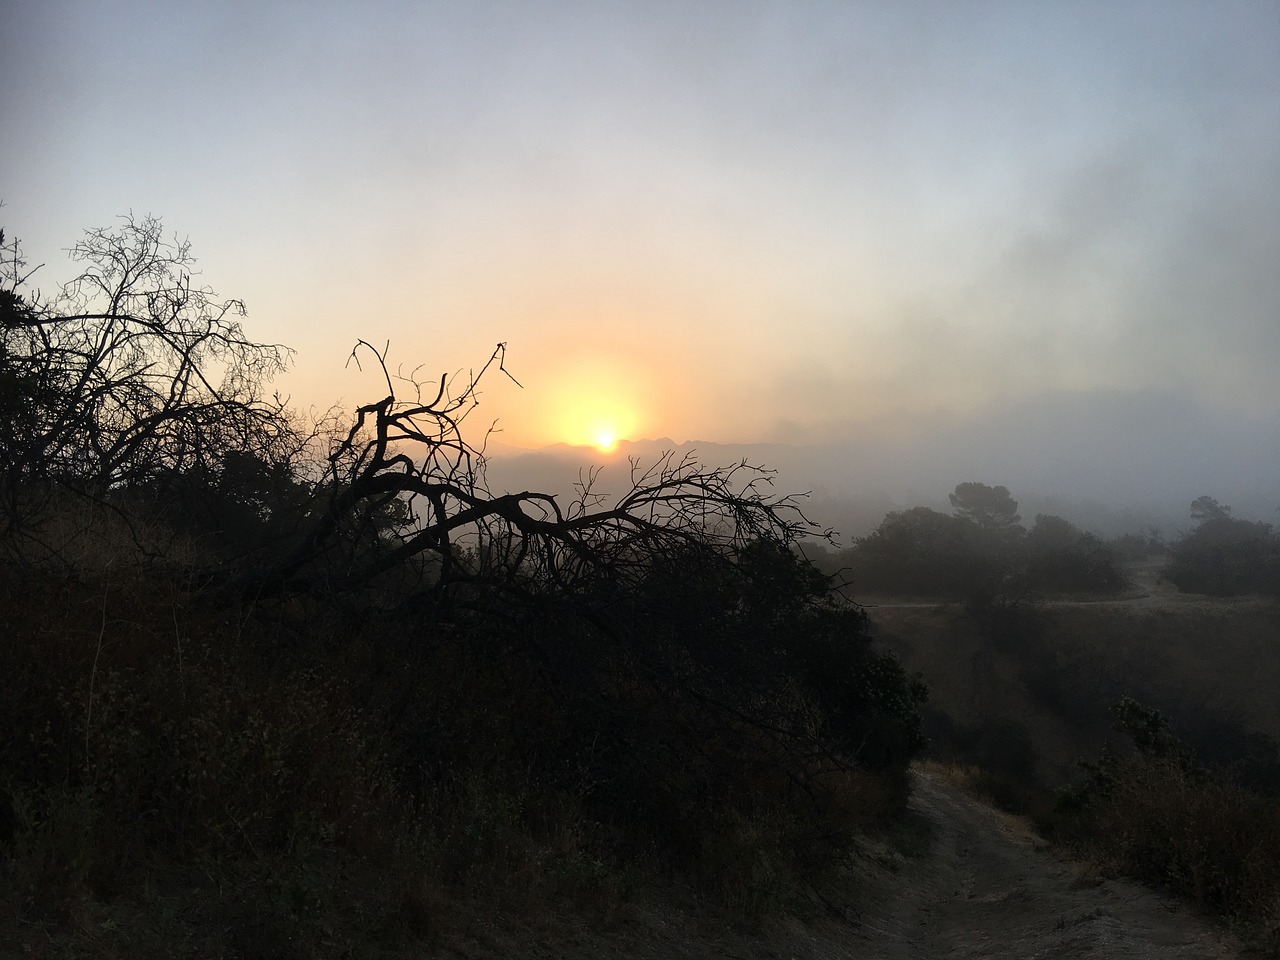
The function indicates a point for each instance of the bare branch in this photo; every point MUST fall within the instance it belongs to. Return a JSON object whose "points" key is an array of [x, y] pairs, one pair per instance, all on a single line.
{"points": [[413, 453], [132, 372]]}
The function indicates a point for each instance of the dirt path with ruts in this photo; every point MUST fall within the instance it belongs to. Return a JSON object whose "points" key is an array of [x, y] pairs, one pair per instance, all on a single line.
{"points": [[984, 887]]}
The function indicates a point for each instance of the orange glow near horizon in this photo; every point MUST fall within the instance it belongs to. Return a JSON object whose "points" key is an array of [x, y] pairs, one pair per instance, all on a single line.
{"points": [[595, 422], [593, 403]]}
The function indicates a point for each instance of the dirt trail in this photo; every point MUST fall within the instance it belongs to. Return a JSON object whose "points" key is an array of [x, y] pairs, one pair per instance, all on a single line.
{"points": [[984, 889], [960, 881]]}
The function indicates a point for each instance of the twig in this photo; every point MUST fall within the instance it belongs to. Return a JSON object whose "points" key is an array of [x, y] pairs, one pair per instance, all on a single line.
{"points": [[93, 674]]}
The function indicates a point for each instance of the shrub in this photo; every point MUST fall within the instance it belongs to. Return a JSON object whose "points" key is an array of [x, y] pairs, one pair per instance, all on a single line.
{"points": [[1137, 546], [1062, 557], [1159, 815], [923, 552], [1003, 761], [134, 730], [1226, 557], [710, 674]]}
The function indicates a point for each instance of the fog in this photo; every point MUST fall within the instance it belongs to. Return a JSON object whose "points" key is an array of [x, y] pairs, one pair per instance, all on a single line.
{"points": [[1111, 463], [887, 247]]}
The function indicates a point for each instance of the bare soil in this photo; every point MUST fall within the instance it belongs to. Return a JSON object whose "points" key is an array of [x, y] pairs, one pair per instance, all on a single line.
{"points": [[987, 886]]}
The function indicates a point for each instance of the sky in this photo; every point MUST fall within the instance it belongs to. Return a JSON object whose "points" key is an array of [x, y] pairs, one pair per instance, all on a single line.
{"points": [[1040, 240]]}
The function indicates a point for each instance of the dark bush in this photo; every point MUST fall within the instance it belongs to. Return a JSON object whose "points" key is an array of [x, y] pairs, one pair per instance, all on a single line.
{"points": [[1226, 557], [710, 670], [1061, 557], [921, 552], [1158, 814], [926, 553], [999, 751]]}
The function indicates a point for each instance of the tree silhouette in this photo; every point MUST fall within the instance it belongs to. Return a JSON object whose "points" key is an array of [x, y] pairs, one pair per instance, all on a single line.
{"points": [[918, 551], [1206, 508], [407, 453], [129, 372], [991, 508]]}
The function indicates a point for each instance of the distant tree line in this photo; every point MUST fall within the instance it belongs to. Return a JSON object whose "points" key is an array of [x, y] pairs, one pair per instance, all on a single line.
{"points": [[1224, 556], [981, 548]]}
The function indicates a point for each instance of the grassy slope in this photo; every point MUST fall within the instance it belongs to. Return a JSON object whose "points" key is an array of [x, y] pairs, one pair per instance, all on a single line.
{"points": [[183, 775], [1020, 714], [1179, 652]]}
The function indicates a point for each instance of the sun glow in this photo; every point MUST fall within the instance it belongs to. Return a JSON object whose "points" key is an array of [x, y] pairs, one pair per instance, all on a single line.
{"points": [[591, 400], [597, 419], [606, 439], [597, 424]]}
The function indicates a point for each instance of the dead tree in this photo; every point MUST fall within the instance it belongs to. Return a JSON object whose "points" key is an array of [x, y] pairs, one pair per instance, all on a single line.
{"points": [[404, 480], [672, 622]]}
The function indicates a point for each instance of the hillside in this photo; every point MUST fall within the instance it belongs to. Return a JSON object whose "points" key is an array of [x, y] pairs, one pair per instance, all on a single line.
{"points": [[954, 879], [1205, 661]]}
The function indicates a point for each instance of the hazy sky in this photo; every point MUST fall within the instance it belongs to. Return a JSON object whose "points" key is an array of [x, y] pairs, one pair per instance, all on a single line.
{"points": [[736, 221]]}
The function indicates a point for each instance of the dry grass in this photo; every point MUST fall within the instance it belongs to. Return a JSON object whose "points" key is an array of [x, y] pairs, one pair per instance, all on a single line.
{"points": [[146, 735], [1213, 656], [1212, 842], [1208, 659], [975, 782], [183, 774]]}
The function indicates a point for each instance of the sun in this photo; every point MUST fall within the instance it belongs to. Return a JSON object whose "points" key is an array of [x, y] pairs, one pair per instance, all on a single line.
{"points": [[599, 424], [605, 439], [595, 402]]}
